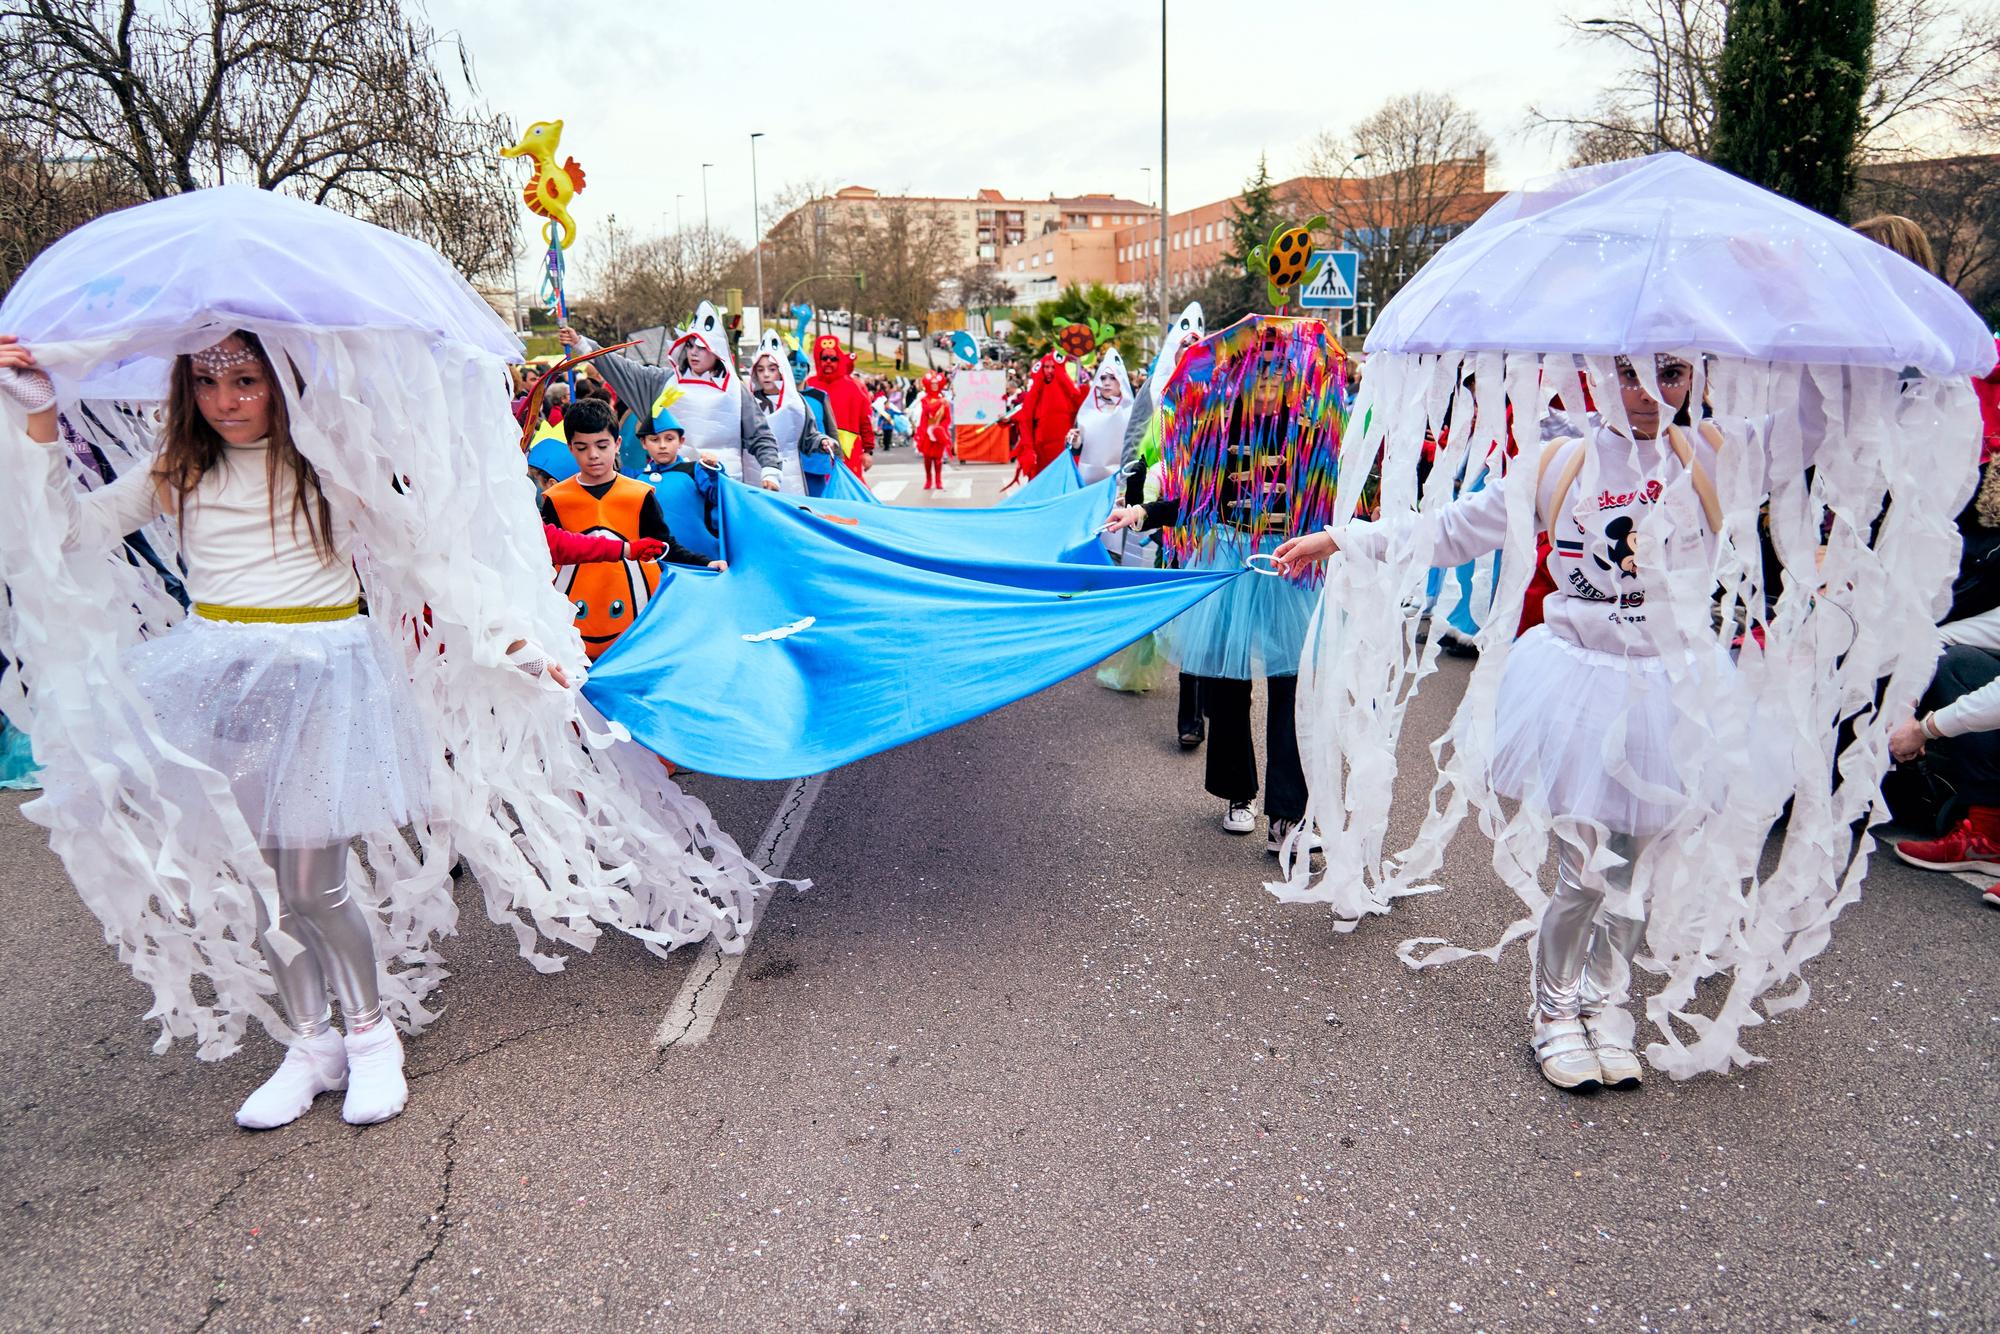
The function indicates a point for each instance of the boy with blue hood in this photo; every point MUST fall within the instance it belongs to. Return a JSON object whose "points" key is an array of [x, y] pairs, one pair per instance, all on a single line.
{"points": [[685, 491]]}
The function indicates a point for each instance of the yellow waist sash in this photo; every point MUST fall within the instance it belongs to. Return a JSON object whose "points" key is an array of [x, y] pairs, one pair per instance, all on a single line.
{"points": [[208, 611]]}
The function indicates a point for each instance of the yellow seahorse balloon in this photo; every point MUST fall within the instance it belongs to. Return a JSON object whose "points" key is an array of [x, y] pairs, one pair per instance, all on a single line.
{"points": [[550, 188]]}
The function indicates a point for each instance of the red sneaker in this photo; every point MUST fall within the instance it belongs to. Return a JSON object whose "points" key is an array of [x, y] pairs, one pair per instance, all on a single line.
{"points": [[1969, 847], [1991, 898]]}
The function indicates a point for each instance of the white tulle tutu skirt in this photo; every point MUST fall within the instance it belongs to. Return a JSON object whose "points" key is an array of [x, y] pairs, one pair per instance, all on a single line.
{"points": [[312, 724], [1251, 627], [1557, 741]]}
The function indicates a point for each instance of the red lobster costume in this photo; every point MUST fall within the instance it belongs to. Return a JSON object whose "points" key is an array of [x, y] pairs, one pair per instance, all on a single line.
{"points": [[853, 414], [1048, 411], [933, 430]]}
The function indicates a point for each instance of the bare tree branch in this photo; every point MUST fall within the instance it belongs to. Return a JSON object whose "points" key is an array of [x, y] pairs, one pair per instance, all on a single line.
{"points": [[339, 101]]}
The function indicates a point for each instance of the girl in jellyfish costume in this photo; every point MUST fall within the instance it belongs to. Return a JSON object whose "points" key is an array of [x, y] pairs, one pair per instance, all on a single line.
{"points": [[1749, 537], [1589, 677], [279, 682]]}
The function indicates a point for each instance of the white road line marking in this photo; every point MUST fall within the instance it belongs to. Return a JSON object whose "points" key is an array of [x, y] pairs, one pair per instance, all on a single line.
{"points": [[960, 489], [691, 1018], [886, 492]]}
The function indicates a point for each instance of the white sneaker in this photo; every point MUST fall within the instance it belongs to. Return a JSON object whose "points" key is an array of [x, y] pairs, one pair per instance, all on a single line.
{"points": [[312, 1066], [1615, 1058], [1280, 830], [376, 1089], [1239, 818], [1563, 1050]]}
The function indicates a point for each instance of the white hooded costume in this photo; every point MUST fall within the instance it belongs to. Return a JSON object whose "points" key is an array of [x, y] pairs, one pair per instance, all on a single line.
{"points": [[717, 409], [785, 413], [1102, 419]]}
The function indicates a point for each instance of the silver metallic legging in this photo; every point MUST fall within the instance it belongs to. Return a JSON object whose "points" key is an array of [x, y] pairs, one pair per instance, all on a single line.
{"points": [[316, 910], [1583, 954]]}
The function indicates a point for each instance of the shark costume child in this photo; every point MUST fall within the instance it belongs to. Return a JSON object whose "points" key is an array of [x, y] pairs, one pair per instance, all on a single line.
{"points": [[716, 408], [1101, 421], [786, 414]]}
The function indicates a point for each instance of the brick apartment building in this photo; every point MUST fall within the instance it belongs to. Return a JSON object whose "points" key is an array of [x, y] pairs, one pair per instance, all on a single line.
{"points": [[988, 222], [1199, 239]]}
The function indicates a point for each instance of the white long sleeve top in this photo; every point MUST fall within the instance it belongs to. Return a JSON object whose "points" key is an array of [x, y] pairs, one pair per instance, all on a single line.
{"points": [[236, 554], [1601, 584], [1980, 710]]}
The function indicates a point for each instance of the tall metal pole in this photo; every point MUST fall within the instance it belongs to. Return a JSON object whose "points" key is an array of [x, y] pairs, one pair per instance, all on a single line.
{"points": [[1165, 314], [704, 195], [757, 218], [677, 213]]}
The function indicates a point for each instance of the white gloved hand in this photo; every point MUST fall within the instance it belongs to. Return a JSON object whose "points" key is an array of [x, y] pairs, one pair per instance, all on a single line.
{"points": [[27, 386]]}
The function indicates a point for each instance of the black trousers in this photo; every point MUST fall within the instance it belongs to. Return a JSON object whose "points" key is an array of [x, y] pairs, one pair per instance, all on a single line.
{"points": [[1232, 753], [1190, 702], [1969, 763]]}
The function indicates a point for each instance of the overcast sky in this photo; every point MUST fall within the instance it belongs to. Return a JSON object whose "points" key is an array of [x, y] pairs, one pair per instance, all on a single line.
{"points": [[1029, 98]]}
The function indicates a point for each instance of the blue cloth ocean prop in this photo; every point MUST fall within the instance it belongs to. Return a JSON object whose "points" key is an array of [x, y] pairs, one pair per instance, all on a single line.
{"points": [[735, 673]]}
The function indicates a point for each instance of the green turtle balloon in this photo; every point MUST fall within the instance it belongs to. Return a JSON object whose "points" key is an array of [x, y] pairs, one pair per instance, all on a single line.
{"points": [[1286, 260]]}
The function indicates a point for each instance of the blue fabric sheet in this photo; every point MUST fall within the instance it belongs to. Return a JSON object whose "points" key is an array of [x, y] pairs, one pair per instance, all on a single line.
{"points": [[842, 484], [826, 641], [1058, 479], [1064, 529]]}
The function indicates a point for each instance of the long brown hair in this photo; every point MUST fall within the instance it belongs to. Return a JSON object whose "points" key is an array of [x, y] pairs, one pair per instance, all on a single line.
{"points": [[189, 447]]}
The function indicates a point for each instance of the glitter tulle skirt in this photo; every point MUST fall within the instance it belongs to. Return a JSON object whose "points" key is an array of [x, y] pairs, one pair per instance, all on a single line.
{"points": [[313, 725], [1251, 627], [1567, 719]]}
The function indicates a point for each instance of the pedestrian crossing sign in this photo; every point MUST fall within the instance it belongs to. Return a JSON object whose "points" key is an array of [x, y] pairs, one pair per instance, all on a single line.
{"points": [[1332, 288]]}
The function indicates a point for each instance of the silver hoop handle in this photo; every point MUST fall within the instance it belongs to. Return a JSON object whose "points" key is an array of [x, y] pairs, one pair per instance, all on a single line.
{"points": [[1250, 564]]}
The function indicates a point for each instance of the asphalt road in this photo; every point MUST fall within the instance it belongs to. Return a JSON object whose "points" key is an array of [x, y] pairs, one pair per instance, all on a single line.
{"points": [[1035, 1050]]}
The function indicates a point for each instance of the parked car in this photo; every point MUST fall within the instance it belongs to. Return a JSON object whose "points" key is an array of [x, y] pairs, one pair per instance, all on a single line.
{"points": [[912, 334], [996, 352], [839, 319]]}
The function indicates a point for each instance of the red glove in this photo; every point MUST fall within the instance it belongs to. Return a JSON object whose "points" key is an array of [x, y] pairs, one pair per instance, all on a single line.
{"points": [[646, 548]]}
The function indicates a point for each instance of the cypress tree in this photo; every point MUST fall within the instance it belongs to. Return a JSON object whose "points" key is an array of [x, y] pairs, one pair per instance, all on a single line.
{"points": [[1788, 96]]}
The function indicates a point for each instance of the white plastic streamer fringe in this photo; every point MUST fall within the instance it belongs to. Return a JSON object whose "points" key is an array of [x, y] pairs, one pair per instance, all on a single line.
{"points": [[1782, 692], [568, 826]]}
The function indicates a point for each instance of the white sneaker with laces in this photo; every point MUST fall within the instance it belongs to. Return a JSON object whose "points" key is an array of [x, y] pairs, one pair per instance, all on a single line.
{"points": [[1239, 818], [1612, 1043], [1280, 830], [376, 1089], [312, 1066], [1563, 1050]]}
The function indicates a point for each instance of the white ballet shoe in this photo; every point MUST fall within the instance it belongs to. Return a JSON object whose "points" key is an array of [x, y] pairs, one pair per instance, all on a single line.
{"points": [[1563, 1051], [376, 1089], [312, 1066], [1612, 1041]]}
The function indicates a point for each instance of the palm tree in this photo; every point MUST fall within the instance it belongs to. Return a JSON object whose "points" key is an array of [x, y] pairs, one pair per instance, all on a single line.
{"points": [[1095, 306]]}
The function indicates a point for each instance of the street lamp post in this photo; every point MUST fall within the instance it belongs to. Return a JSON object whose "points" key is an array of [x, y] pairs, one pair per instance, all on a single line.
{"points": [[677, 213], [704, 195], [757, 218], [1165, 314]]}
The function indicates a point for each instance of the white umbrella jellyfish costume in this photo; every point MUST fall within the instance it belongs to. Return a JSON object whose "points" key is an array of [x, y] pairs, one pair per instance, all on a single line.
{"points": [[1828, 392], [393, 372]]}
